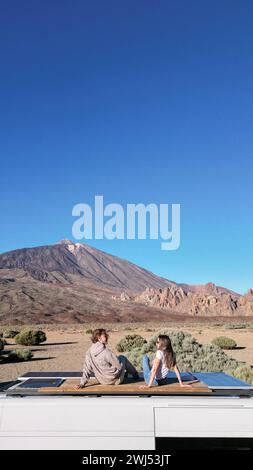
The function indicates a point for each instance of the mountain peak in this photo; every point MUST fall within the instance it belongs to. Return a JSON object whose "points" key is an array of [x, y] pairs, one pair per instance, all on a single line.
{"points": [[65, 241], [67, 258]]}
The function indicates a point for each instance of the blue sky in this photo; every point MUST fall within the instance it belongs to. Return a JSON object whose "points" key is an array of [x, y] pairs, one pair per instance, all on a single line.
{"points": [[139, 101]]}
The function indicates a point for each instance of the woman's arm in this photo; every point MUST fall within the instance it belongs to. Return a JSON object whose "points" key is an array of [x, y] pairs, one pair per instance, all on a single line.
{"points": [[153, 371], [177, 372]]}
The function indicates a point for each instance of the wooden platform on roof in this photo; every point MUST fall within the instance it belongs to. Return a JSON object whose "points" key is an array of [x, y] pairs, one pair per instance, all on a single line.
{"points": [[129, 387]]}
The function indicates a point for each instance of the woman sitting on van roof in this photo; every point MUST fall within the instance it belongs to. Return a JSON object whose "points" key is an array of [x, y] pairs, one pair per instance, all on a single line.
{"points": [[164, 361], [103, 363]]}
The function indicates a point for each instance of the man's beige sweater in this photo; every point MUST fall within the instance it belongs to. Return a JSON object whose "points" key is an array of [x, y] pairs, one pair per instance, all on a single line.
{"points": [[103, 363]]}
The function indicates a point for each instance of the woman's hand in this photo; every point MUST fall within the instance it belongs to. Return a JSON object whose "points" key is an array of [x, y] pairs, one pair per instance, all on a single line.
{"points": [[145, 386], [185, 385]]}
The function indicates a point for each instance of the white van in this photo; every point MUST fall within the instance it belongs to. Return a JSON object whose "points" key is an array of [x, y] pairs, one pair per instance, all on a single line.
{"points": [[221, 419]]}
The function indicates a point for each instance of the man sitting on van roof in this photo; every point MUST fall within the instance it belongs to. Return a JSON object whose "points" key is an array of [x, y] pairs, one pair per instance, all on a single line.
{"points": [[108, 368]]}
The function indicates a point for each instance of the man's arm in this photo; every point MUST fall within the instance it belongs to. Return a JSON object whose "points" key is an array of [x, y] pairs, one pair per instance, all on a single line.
{"points": [[112, 359], [87, 371]]}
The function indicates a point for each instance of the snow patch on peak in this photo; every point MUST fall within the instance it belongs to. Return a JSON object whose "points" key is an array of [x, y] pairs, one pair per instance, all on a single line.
{"points": [[65, 241]]}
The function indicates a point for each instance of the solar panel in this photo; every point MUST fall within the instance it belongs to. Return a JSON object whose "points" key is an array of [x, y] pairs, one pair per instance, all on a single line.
{"points": [[220, 380], [39, 383]]}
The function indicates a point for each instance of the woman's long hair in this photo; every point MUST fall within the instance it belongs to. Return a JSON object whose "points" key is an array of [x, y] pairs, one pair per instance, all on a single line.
{"points": [[166, 347]]}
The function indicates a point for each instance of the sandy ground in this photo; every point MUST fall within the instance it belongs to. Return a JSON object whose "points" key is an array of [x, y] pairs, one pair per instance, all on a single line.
{"points": [[66, 345]]}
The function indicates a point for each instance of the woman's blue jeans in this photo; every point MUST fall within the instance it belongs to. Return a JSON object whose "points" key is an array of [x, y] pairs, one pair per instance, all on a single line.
{"points": [[147, 373], [147, 370]]}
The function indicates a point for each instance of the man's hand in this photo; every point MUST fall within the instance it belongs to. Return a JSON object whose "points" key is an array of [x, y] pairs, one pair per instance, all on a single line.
{"points": [[77, 387]]}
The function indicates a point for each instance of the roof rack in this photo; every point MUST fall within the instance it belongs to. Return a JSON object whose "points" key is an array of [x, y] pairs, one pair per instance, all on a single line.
{"points": [[59, 383]]}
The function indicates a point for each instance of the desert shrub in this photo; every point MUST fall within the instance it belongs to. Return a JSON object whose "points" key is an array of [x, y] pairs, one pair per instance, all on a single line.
{"points": [[224, 342], [89, 331], [190, 355], [180, 341], [30, 337], [129, 342], [20, 355], [135, 357], [10, 333], [243, 373]]}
